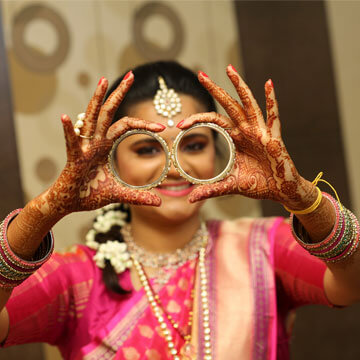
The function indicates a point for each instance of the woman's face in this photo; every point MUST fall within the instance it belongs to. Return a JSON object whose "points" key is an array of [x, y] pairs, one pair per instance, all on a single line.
{"points": [[140, 161]]}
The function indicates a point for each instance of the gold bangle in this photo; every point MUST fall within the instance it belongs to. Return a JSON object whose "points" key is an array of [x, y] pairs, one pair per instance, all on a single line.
{"points": [[310, 209]]}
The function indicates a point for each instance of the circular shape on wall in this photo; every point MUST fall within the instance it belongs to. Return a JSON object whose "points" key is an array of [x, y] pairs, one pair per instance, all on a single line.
{"points": [[33, 58], [45, 170], [83, 79], [148, 49]]}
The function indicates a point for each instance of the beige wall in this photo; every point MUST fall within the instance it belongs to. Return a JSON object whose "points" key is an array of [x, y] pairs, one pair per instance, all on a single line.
{"points": [[101, 43], [344, 27]]}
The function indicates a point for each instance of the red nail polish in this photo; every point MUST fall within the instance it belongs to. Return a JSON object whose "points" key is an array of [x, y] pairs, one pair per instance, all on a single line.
{"points": [[233, 68], [100, 80], [203, 74], [180, 123], [127, 75], [163, 126]]}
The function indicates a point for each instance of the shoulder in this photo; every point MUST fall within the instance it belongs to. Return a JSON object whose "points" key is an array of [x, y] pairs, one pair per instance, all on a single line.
{"points": [[74, 264]]}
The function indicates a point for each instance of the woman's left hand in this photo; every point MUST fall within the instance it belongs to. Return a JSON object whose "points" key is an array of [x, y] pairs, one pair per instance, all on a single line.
{"points": [[263, 168]]}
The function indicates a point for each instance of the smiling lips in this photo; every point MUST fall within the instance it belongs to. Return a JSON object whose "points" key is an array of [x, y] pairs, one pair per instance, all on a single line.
{"points": [[175, 189]]}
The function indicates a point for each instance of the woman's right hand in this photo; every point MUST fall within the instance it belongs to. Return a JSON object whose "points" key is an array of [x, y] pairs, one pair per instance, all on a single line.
{"points": [[86, 182]]}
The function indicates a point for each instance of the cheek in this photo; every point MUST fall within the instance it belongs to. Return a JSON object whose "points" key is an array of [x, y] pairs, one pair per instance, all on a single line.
{"points": [[137, 171], [202, 166]]}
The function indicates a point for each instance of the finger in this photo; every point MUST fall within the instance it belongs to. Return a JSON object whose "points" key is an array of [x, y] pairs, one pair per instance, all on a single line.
{"points": [[93, 109], [223, 187], [73, 149], [251, 107], [210, 117], [110, 106], [136, 197], [272, 110], [231, 106], [128, 123]]}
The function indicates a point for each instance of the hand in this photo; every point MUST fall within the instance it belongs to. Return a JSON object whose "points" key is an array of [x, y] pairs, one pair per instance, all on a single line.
{"points": [[263, 168], [86, 182]]}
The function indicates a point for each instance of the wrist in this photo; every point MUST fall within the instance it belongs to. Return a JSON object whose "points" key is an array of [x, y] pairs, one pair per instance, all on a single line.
{"points": [[49, 205], [27, 230], [308, 194]]}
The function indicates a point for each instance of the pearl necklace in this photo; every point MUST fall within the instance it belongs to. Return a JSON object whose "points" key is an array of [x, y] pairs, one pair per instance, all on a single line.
{"points": [[159, 313], [165, 263]]}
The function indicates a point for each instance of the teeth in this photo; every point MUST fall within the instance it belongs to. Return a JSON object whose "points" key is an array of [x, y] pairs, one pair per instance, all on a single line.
{"points": [[177, 188]]}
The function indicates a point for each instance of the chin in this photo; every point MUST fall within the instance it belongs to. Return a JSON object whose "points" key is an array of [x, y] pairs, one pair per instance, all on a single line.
{"points": [[171, 211]]}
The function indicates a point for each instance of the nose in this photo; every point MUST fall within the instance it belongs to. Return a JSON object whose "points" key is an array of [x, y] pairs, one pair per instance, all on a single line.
{"points": [[173, 173]]}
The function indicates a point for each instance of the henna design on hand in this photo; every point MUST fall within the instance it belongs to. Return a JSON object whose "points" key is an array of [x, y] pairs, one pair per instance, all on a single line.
{"points": [[263, 168], [86, 183]]}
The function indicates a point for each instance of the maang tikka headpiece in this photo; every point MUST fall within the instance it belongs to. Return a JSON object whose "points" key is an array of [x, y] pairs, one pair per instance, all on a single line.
{"points": [[167, 102]]}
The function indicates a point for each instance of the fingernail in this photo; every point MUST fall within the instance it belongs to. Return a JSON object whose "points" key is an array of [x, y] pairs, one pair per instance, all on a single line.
{"points": [[100, 80], [232, 68], [180, 123], [127, 75], [270, 83], [162, 126], [203, 74]]}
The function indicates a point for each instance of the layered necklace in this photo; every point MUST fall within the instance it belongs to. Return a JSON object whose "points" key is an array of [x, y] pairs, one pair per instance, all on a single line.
{"points": [[165, 264], [142, 258]]}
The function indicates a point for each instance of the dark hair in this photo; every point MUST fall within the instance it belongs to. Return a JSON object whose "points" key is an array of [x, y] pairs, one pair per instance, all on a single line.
{"points": [[146, 83]]}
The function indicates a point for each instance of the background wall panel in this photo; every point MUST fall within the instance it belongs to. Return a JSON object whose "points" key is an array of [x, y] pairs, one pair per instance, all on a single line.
{"points": [[290, 42]]}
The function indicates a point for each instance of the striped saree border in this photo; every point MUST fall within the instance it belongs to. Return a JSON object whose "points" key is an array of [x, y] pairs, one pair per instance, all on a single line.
{"points": [[260, 255], [112, 340]]}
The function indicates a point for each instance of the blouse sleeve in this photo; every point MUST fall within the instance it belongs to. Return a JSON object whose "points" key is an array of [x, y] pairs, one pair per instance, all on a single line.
{"points": [[45, 307], [299, 275]]}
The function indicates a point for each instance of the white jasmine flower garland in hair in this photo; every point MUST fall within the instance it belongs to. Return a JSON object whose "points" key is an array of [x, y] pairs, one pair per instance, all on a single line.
{"points": [[104, 221], [114, 251]]}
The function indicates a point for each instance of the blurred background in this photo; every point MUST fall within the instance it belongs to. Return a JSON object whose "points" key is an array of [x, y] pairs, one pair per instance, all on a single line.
{"points": [[52, 54]]}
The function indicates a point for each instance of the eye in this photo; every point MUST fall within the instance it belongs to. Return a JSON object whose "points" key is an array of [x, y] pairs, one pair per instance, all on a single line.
{"points": [[194, 146], [147, 150]]}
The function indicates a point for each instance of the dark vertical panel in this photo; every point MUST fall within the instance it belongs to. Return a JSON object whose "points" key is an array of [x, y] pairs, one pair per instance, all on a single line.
{"points": [[288, 41], [10, 184]]}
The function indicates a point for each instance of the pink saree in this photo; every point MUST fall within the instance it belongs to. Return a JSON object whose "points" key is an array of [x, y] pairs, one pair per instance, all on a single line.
{"points": [[66, 303]]}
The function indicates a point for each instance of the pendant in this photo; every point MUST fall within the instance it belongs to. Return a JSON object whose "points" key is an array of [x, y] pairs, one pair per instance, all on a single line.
{"points": [[188, 352]]}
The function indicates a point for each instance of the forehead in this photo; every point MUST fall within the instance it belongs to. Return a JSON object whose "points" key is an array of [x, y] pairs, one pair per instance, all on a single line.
{"points": [[146, 110]]}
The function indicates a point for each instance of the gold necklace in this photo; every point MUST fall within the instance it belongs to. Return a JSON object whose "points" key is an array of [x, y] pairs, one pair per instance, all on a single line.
{"points": [[187, 351]]}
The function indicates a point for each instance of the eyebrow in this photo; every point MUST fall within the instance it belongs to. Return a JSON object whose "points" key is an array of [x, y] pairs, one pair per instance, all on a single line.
{"points": [[152, 140], [146, 141], [189, 136]]}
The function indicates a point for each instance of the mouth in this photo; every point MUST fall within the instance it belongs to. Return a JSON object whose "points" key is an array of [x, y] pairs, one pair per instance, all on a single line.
{"points": [[175, 189]]}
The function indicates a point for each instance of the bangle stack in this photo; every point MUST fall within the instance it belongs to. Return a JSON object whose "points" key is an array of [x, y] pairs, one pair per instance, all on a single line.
{"points": [[13, 269], [341, 243]]}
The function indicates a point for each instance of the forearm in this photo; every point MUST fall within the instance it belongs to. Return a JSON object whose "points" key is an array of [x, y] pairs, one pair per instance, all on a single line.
{"points": [[27, 230], [342, 285]]}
